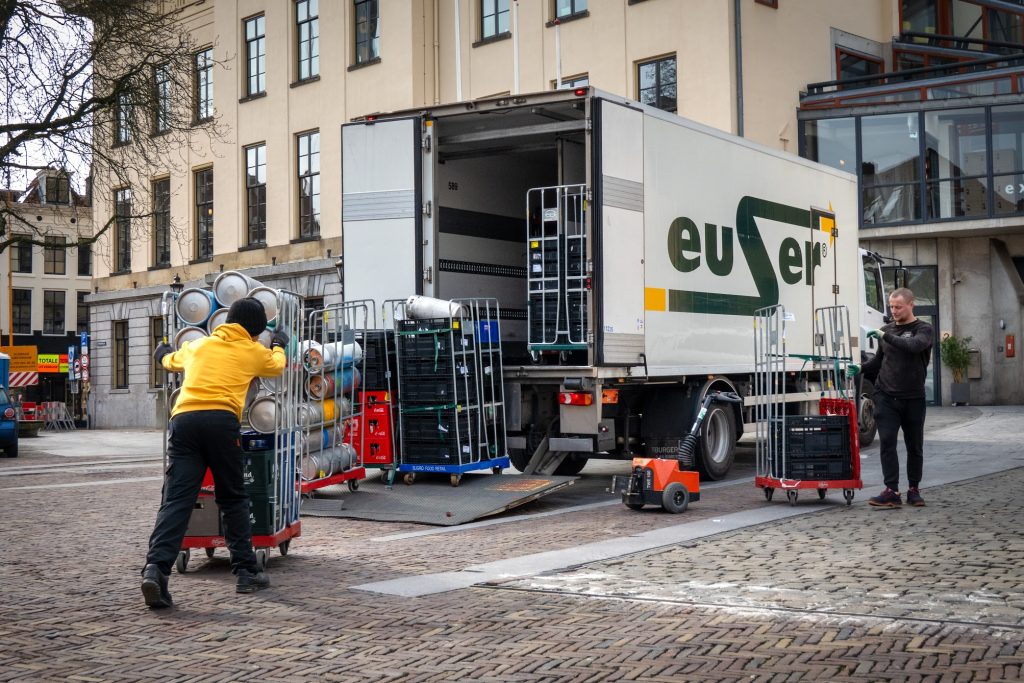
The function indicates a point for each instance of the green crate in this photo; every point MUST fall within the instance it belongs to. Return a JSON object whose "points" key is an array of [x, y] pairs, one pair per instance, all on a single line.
{"points": [[258, 472], [261, 515]]}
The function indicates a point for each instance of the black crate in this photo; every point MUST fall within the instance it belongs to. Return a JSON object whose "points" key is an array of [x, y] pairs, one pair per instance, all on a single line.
{"points": [[812, 436], [261, 515], [437, 390], [431, 453], [441, 366], [258, 472], [378, 357], [439, 426], [819, 470]]}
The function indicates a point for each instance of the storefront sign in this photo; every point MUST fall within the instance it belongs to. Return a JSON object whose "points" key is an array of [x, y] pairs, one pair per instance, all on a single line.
{"points": [[52, 362]]}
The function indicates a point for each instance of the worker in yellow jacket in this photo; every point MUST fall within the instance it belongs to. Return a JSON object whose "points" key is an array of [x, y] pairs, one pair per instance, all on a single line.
{"points": [[204, 433]]}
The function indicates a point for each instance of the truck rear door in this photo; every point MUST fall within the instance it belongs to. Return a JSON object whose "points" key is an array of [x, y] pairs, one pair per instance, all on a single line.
{"points": [[381, 209], [619, 232]]}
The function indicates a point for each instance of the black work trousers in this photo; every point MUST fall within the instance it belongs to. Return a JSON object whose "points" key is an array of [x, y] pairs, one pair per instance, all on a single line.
{"points": [[198, 440], [891, 415]]}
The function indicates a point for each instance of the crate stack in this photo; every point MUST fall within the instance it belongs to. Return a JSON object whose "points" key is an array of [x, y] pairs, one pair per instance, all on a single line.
{"points": [[816, 447], [376, 431]]}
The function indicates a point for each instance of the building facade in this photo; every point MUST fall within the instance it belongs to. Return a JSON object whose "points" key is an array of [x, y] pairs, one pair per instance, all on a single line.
{"points": [[281, 78]]}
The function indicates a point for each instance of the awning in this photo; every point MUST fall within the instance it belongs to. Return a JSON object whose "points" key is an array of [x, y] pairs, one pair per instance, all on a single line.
{"points": [[24, 379]]}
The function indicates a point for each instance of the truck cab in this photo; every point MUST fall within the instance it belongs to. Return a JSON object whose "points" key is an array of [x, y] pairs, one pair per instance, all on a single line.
{"points": [[874, 313]]}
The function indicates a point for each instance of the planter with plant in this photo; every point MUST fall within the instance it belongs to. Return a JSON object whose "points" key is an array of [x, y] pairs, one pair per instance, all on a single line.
{"points": [[956, 355]]}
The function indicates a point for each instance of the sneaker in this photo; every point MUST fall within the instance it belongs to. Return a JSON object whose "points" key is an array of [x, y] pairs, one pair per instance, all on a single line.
{"points": [[154, 587], [886, 499], [914, 497], [249, 582]]}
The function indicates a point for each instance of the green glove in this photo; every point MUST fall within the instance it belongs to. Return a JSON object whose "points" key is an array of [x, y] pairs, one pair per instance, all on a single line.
{"points": [[875, 334], [852, 370]]}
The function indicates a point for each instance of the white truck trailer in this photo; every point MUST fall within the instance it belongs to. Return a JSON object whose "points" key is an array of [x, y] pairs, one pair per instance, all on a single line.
{"points": [[628, 248]]}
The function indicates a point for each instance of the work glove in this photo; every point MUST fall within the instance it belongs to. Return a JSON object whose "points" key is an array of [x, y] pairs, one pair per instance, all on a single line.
{"points": [[852, 370], [875, 334], [162, 349], [279, 338]]}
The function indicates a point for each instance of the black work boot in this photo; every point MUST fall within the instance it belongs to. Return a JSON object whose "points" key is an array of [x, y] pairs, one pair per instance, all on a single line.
{"points": [[154, 587], [250, 582]]}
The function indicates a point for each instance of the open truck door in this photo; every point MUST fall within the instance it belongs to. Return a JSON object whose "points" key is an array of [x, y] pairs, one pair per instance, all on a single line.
{"points": [[382, 220]]}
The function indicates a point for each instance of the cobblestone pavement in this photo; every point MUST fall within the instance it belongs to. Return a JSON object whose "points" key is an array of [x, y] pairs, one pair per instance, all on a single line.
{"points": [[838, 593]]}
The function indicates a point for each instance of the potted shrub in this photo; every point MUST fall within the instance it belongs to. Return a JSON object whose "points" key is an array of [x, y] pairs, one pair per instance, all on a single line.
{"points": [[956, 355]]}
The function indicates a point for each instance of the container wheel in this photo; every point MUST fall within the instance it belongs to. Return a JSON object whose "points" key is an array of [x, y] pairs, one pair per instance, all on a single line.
{"points": [[409, 478], [495, 470], [821, 494], [209, 552], [353, 485], [848, 495], [181, 562], [456, 479], [792, 496], [262, 559], [675, 498], [768, 492], [283, 547]]}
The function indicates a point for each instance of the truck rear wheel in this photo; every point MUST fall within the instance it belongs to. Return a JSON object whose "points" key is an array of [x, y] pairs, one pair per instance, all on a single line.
{"points": [[866, 426], [718, 442], [572, 464]]}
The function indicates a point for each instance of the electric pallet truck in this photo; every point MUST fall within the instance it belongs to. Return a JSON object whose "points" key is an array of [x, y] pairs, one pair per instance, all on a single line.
{"points": [[664, 481]]}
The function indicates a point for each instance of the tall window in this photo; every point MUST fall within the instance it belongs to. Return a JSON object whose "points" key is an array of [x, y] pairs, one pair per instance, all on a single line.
{"points": [[123, 230], [55, 255], [21, 311], [81, 312], [367, 30], [58, 190], [21, 257], [657, 83], [85, 259], [256, 55], [156, 335], [256, 192], [122, 119], [309, 184], [307, 20], [120, 374], [204, 85], [162, 91], [493, 17], [162, 222], [204, 213], [567, 8], [53, 312]]}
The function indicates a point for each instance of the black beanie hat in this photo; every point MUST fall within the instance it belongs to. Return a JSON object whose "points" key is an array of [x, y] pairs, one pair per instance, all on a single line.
{"points": [[248, 313]]}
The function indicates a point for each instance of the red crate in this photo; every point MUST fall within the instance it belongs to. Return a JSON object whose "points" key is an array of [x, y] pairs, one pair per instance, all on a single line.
{"points": [[371, 433]]}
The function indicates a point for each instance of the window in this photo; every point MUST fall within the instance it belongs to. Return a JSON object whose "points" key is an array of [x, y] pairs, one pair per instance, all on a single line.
{"points": [[21, 311], [21, 256], [309, 184], [307, 20], [1008, 159], [657, 83], [567, 8], [256, 55], [956, 163], [833, 142], [162, 90], [890, 171], [204, 85], [122, 119], [367, 30], [120, 374], [162, 222], [122, 230], [256, 192], [204, 213], [873, 288], [55, 255], [156, 336], [81, 312], [850, 64], [85, 259], [57, 190], [572, 82], [493, 17], [53, 312]]}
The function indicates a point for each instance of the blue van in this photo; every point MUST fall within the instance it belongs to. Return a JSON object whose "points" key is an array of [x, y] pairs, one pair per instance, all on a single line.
{"points": [[8, 425]]}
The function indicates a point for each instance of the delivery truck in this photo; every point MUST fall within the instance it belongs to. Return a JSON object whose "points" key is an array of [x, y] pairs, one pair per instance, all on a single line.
{"points": [[628, 248]]}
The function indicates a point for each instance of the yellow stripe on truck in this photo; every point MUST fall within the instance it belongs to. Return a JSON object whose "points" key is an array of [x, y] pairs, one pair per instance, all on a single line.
{"points": [[655, 299]]}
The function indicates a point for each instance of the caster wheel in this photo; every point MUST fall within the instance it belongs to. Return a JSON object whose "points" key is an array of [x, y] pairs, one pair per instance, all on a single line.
{"points": [[181, 562], [209, 552], [768, 493], [456, 479], [262, 559], [792, 496], [283, 547], [495, 470], [353, 485], [848, 495], [675, 498], [821, 494], [409, 478]]}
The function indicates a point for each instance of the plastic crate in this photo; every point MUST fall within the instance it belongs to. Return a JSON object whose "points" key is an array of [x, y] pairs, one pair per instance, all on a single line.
{"points": [[439, 426], [820, 470], [258, 472], [810, 436], [261, 515], [438, 390]]}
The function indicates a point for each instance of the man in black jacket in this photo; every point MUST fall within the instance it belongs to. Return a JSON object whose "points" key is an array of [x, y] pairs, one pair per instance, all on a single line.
{"points": [[898, 370]]}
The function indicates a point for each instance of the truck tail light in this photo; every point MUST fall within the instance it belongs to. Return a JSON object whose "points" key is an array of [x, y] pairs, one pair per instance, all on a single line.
{"points": [[580, 92], [9, 414], [576, 398]]}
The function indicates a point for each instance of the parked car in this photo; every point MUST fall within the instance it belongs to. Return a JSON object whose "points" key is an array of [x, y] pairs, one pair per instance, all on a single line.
{"points": [[8, 425]]}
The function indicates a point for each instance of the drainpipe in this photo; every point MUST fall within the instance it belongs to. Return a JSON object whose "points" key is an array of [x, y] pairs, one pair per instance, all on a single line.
{"points": [[515, 47], [558, 55], [738, 30], [437, 54], [458, 54]]}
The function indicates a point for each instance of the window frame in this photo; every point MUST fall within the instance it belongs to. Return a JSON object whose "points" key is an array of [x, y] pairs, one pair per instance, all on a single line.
{"points": [[309, 222], [495, 19], [81, 310], [577, 8], [573, 82], [255, 194], [157, 373], [257, 42], [371, 53], [21, 311], [657, 61], [202, 65], [841, 50], [24, 252], [55, 255], [85, 252], [120, 336], [161, 98], [54, 311], [122, 120], [161, 197], [122, 230], [203, 201], [61, 190], [310, 45]]}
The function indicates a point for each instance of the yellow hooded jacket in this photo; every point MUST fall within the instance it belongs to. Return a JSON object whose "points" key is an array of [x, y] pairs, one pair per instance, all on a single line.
{"points": [[219, 368]]}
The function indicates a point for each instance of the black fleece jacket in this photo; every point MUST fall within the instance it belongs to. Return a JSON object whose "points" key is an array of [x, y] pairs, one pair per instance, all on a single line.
{"points": [[900, 365]]}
